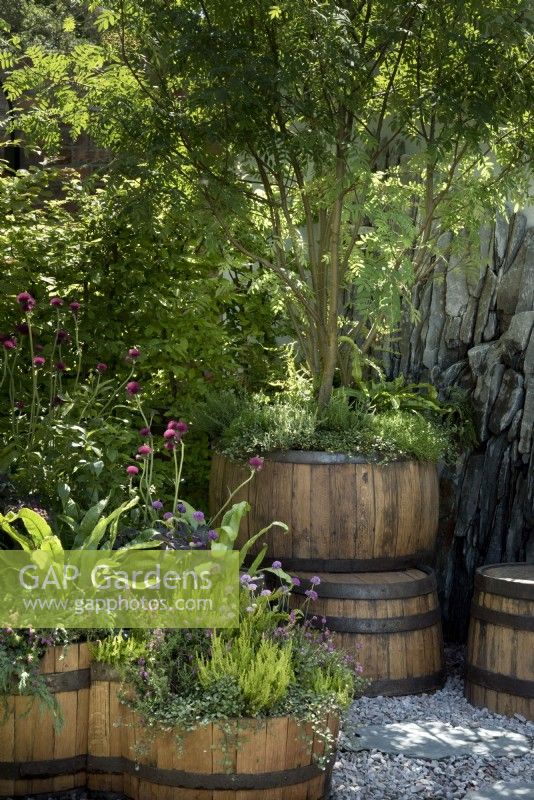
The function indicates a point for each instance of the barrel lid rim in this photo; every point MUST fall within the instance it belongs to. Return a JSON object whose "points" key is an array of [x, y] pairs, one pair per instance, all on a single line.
{"points": [[482, 571], [323, 457], [428, 571]]}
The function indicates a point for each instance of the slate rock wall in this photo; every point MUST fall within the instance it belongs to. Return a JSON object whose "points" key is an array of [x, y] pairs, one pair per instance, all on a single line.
{"points": [[476, 331]]}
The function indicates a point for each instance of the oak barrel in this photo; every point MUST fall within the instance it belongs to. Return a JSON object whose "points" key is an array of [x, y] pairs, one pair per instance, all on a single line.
{"points": [[34, 757], [344, 514], [389, 621], [261, 759], [106, 731], [500, 650]]}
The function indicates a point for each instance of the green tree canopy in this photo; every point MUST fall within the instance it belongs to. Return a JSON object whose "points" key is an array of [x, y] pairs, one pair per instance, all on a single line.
{"points": [[334, 144]]}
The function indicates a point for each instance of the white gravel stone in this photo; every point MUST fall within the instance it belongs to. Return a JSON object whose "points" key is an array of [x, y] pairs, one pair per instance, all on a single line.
{"points": [[372, 775]]}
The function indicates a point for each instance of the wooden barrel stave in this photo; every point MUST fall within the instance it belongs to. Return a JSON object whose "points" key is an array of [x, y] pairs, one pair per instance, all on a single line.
{"points": [[500, 671], [342, 516], [396, 638]]}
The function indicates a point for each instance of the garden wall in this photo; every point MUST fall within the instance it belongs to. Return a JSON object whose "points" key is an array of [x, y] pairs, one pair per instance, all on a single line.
{"points": [[476, 331]]}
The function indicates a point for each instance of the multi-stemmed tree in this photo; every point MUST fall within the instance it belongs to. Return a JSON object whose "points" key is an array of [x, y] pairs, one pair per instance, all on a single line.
{"points": [[333, 144]]}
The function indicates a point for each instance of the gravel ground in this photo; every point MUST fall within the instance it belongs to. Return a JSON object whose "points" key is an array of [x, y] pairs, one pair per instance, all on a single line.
{"points": [[376, 776]]}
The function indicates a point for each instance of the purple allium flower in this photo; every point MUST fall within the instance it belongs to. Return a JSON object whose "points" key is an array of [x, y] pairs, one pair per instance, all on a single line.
{"points": [[62, 336], [157, 505], [213, 536], [39, 361], [256, 463], [144, 450], [145, 431], [252, 586], [167, 515], [169, 434], [61, 366], [276, 565], [56, 301], [74, 307], [10, 344], [293, 616], [315, 580], [141, 661], [134, 352], [245, 579], [295, 581], [182, 427], [198, 516], [23, 328], [181, 508], [26, 301], [265, 593], [132, 470], [132, 387], [101, 367], [311, 593]]}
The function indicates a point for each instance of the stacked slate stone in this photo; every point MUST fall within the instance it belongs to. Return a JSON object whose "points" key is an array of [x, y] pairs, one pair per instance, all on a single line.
{"points": [[476, 331]]}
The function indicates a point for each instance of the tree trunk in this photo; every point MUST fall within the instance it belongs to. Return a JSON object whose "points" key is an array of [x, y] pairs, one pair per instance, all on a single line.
{"points": [[477, 332]]}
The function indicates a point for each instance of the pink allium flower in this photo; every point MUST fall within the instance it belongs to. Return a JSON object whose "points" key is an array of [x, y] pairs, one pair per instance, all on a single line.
{"points": [[169, 434], [101, 367], [75, 307], [172, 425], [132, 387], [61, 366], [145, 432], [26, 301], [144, 450], [182, 427], [256, 463], [134, 352], [132, 470], [56, 301], [10, 344], [39, 361]]}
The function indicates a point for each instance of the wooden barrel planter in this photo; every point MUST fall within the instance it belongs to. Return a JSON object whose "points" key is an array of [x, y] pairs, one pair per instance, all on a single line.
{"points": [[344, 514], [389, 621], [500, 651], [269, 759], [34, 757]]}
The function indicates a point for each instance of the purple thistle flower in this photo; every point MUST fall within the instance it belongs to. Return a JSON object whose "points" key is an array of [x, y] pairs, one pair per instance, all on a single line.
{"points": [[132, 470], [182, 427], [39, 347], [169, 445], [62, 336], [132, 387], [134, 352], [315, 580], [74, 307], [213, 536], [101, 367], [256, 463], [198, 516], [167, 515], [61, 366], [157, 505], [312, 594], [145, 431], [23, 328], [181, 508], [39, 361], [169, 434], [276, 565], [10, 344], [295, 581], [144, 450], [26, 301], [56, 301]]}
